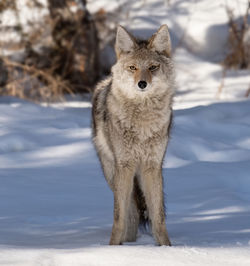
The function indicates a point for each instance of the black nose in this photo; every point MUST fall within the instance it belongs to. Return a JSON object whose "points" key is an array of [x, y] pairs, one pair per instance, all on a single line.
{"points": [[142, 84]]}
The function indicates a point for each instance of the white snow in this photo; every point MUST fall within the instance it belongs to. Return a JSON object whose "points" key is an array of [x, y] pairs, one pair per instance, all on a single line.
{"points": [[56, 208]]}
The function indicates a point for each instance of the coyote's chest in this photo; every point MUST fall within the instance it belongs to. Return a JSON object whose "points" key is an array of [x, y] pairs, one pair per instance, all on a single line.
{"points": [[142, 128]]}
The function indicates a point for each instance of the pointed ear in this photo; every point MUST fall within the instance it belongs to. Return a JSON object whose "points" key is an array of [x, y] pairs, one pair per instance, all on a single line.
{"points": [[160, 41], [125, 42]]}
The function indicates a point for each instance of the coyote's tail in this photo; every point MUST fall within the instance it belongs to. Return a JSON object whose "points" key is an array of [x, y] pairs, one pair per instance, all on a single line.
{"points": [[141, 204]]}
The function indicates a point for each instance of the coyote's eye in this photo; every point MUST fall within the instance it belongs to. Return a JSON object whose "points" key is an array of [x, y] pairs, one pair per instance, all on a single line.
{"points": [[132, 67], [153, 67]]}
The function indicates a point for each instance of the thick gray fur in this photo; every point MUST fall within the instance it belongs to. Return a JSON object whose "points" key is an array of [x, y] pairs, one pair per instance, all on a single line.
{"points": [[131, 132]]}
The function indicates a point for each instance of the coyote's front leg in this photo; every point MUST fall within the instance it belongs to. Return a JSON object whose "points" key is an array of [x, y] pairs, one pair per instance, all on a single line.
{"points": [[123, 186], [152, 183]]}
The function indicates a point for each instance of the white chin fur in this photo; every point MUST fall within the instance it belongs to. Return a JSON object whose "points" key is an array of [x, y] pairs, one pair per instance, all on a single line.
{"points": [[148, 88], [133, 91]]}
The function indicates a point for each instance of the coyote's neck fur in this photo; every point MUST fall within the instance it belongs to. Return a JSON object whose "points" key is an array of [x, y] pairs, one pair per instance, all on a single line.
{"points": [[143, 115]]}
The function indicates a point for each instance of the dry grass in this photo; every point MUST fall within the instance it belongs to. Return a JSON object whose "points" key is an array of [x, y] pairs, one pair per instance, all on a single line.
{"points": [[29, 82], [238, 53], [238, 56], [42, 63], [25, 78]]}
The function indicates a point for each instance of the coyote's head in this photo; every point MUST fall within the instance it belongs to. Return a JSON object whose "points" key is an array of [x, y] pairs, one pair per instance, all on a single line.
{"points": [[143, 67]]}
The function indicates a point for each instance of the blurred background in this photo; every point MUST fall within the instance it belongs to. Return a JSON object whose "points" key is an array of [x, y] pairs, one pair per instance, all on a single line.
{"points": [[55, 205], [52, 48]]}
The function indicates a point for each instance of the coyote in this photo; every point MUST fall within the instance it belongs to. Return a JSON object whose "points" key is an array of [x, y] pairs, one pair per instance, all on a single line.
{"points": [[132, 113]]}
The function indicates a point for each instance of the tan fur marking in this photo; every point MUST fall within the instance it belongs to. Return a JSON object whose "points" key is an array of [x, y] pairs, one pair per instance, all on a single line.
{"points": [[143, 74]]}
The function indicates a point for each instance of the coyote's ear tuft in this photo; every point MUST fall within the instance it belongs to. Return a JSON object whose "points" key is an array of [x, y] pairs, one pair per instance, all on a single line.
{"points": [[160, 41], [125, 42]]}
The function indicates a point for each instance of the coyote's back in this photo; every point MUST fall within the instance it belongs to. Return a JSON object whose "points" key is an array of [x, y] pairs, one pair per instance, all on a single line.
{"points": [[132, 112]]}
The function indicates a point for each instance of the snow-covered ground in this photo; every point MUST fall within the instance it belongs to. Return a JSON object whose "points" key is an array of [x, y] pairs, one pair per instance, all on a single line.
{"points": [[56, 208]]}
